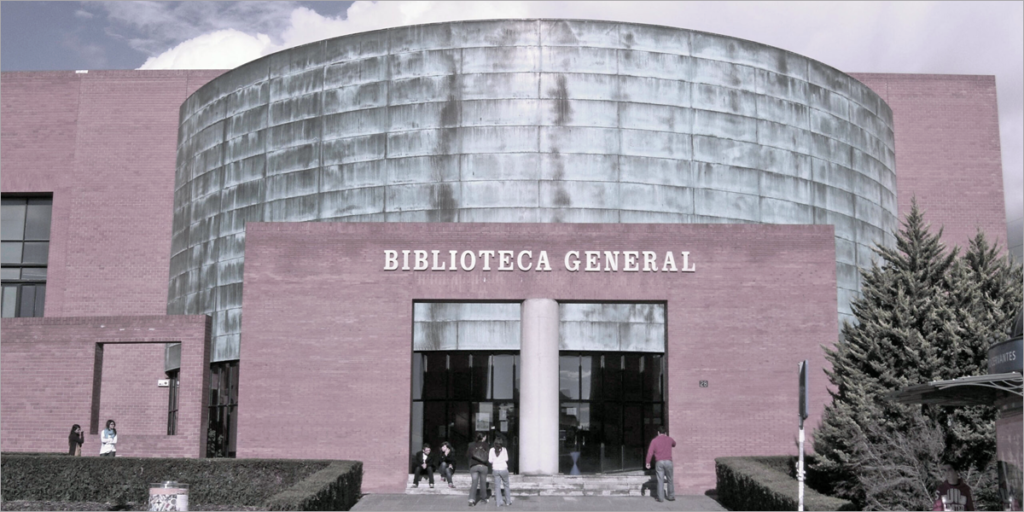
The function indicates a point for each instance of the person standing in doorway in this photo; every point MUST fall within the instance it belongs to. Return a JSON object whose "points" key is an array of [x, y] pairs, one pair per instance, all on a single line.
{"points": [[108, 438], [498, 457], [477, 454], [75, 440], [661, 449], [423, 463]]}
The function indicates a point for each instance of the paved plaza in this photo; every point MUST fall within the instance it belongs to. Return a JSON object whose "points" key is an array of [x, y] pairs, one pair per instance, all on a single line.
{"points": [[441, 502]]}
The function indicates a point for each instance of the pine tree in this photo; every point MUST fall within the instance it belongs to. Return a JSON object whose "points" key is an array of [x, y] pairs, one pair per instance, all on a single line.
{"points": [[901, 315], [924, 315]]}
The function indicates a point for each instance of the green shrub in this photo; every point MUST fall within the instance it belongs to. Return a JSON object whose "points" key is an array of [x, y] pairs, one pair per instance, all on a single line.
{"points": [[241, 482], [767, 483]]}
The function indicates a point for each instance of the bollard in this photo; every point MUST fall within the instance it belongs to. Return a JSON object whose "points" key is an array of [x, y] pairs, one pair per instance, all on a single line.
{"points": [[168, 495]]}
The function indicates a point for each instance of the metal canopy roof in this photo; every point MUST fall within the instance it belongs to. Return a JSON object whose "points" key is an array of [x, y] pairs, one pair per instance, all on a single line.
{"points": [[976, 390]]}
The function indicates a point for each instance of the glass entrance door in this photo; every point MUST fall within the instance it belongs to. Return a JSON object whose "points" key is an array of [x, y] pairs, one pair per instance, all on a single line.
{"points": [[457, 394], [611, 404]]}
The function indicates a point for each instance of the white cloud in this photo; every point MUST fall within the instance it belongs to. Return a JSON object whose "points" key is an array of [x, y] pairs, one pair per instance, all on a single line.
{"points": [[223, 49], [85, 15]]}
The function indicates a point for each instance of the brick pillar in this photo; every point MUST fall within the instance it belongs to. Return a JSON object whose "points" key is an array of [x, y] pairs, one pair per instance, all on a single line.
{"points": [[538, 394]]}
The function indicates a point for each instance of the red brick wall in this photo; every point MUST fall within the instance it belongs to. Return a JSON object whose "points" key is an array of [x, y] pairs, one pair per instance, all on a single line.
{"points": [[104, 143], [129, 394], [326, 349], [947, 150], [47, 383]]}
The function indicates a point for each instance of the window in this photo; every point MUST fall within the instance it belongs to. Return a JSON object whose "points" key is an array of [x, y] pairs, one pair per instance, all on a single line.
{"points": [[220, 435], [24, 251], [172, 402]]}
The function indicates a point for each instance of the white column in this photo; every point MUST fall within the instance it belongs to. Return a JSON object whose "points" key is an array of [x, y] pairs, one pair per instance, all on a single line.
{"points": [[538, 389]]}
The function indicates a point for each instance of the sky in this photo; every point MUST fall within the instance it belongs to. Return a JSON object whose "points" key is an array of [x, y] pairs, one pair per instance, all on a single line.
{"points": [[982, 38]]}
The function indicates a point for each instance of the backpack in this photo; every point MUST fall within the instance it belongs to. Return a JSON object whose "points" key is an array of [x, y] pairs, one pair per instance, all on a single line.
{"points": [[479, 454]]}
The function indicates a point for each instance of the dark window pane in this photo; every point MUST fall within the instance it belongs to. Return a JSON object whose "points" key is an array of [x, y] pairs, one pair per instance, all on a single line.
{"points": [[417, 376], [611, 459], [504, 378], [632, 379], [569, 377], [611, 377], [10, 273], [12, 219], [40, 299], [653, 379], [28, 301], [435, 375], [481, 377], [633, 437], [587, 379], [37, 221], [435, 423], [10, 301], [36, 252], [459, 430], [461, 376], [10, 252]]}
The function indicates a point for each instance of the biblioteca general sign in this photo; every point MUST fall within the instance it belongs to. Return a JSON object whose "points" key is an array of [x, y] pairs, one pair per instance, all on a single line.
{"points": [[418, 260]]}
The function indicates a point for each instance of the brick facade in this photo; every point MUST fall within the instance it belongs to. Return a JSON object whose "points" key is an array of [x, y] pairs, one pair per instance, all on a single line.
{"points": [[328, 333], [104, 143], [947, 151], [48, 377]]}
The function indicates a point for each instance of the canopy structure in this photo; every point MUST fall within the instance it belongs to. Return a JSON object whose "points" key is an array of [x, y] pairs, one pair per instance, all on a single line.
{"points": [[976, 390]]}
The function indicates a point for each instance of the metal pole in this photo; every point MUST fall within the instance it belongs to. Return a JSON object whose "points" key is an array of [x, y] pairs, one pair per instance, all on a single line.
{"points": [[800, 469]]}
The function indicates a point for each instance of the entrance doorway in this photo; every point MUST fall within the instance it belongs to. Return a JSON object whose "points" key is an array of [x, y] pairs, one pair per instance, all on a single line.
{"points": [[610, 407], [457, 394]]}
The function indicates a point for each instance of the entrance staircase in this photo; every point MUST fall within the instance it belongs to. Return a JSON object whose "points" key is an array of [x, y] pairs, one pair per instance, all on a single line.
{"points": [[615, 484]]}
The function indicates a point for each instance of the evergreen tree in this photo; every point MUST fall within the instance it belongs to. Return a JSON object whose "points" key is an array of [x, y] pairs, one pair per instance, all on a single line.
{"points": [[924, 315], [901, 315]]}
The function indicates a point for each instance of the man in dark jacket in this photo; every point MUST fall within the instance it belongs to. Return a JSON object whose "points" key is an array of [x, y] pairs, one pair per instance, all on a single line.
{"points": [[423, 462], [477, 455]]}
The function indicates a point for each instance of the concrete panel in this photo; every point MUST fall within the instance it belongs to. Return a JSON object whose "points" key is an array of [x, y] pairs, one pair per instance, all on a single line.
{"points": [[715, 203], [656, 171], [422, 169], [723, 74], [421, 37], [656, 144], [300, 84], [497, 33], [485, 194], [356, 72], [722, 99], [779, 186], [501, 59], [601, 34], [578, 140], [639, 116], [351, 124], [247, 99], [656, 198], [354, 149], [725, 151], [779, 211], [295, 209], [568, 59], [489, 335], [423, 89], [654, 38], [727, 178], [656, 65], [497, 86], [497, 215], [292, 184], [442, 196], [293, 134], [293, 159], [424, 63], [725, 126], [728, 49], [361, 174], [578, 86], [499, 167], [781, 87], [559, 112], [653, 90], [783, 137], [579, 194], [642, 217], [355, 97], [783, 112], [846, 251], [578, 167], [499, 139], [517, 112], [245, 146]]}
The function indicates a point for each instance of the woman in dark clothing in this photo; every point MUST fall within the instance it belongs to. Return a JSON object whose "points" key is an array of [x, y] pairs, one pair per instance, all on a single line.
{"points": [[75, 440], [447, 461]]}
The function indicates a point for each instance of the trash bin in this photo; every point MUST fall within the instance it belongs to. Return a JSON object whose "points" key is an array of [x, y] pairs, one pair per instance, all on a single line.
{"points": [[168, 496]]}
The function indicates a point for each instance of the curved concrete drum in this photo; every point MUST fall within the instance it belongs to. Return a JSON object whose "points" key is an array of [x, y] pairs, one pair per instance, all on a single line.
{"points": [[524, 121]]}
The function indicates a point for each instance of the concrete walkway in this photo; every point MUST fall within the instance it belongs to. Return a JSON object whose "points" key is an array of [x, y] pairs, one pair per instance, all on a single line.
{"points": [[582, 503]]}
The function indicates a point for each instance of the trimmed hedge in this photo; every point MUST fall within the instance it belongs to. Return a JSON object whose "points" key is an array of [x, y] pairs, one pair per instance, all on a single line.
{"points": [[263, 483], [767, 483]]}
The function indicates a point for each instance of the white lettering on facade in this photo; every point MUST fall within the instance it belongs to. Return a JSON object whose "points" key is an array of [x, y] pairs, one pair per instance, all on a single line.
{"points": [[525, 261]]}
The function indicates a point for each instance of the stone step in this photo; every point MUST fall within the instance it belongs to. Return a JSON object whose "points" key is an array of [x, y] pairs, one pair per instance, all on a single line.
{"points": [[553, 485]]}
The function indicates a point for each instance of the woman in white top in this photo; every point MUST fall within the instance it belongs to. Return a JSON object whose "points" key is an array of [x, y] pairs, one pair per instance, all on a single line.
{"points": [[498, 457], [108, 438]]}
